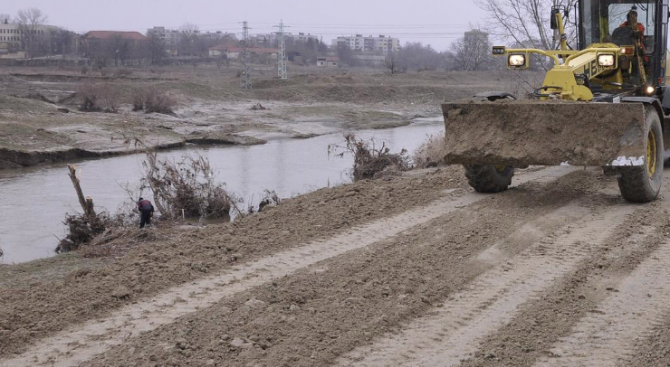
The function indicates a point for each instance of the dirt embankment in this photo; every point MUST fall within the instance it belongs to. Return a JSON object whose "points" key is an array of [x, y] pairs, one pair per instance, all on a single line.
{"points": [[10, 158], [48, 305], [418, 270]]}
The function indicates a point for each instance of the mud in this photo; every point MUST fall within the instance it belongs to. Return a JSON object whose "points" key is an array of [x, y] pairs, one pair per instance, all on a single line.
{"points": [[652, 349], [312, 316], [211, 110], [521, 133], [16, 158], [577, 296], [401, 272], [183, 256]]}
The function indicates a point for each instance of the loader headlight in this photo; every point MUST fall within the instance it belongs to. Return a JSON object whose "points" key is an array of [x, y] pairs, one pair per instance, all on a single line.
{"points": [[650, 89], [517, 60], [606, 60]]}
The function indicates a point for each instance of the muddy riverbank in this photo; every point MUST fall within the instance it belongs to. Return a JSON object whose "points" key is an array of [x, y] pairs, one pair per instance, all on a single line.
{"points": [[40, 121], [287, 166]]}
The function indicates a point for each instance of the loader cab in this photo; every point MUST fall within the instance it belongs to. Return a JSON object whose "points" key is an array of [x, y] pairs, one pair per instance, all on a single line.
{"points": [[607, 21]]}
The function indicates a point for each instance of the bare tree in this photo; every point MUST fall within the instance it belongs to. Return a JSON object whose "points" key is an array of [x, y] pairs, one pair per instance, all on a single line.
{"points": [[189, 28], [118, 49], [61, 41], [471, 52], [391, 62], [346, 54], [527, 21], [156, 48], [191, 43], [4, 18], [30, 21], [419, 57]]}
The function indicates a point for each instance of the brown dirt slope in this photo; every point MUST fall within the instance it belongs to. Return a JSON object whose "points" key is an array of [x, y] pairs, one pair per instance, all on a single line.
{"points": [[312, 317], [175, 258]]}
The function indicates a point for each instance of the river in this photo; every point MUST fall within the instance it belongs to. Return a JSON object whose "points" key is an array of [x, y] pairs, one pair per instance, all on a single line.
{"points": [[34, 201]]}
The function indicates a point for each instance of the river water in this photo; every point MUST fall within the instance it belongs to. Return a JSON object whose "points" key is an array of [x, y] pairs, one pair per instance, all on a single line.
{"points": [[33, 201]]}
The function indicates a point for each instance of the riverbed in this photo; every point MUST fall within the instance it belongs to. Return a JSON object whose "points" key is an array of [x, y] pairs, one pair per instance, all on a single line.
{"points": [[34, 201]]}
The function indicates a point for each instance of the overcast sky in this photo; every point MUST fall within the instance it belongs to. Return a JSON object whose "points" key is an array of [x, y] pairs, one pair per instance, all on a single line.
{"points": [[436, 22]]}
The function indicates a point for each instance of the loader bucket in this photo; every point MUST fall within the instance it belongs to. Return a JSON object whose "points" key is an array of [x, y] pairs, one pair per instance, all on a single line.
{"points": [[523, 133]]}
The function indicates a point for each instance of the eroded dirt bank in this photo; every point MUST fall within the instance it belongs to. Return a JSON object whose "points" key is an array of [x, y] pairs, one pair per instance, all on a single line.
{"points": [[40, 119], [417, 270]]}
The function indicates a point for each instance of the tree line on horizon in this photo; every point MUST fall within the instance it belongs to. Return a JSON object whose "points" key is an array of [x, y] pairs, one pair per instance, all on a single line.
{"points": [[520, 23]]}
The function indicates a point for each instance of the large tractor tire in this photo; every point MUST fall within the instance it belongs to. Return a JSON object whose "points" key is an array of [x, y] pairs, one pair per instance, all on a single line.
{"points": [[489, 178], [642, 184]]}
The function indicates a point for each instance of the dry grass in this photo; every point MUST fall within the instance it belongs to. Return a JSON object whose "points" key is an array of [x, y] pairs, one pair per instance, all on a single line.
{"points": [[83, 229], [98, 98], [431, 153], [151, 100], [187, 188], [371, 162]]}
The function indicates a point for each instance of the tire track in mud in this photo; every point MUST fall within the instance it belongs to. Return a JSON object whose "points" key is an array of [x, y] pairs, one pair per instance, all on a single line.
{"points": [[82, 342], [543, 321], [454, 331], [606, 337]]}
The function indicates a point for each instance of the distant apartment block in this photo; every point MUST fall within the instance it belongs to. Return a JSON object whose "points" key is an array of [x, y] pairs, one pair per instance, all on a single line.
{"points": [[382, 44], [272, 38], [302, 37], [11, 35], [170, 37]]}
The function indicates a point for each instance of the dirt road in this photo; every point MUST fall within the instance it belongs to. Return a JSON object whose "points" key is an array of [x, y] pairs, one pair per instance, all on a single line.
{"points": [[416, 271]]}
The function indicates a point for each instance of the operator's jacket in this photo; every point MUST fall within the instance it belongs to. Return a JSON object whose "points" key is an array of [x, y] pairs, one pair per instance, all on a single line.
{"points": [[640, 29]]}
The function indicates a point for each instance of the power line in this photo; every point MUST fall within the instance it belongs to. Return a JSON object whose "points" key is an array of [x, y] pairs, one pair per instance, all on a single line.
{"points": [[246, 77]]}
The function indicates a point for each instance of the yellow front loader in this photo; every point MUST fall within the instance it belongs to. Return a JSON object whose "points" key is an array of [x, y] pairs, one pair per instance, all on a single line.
{"points": [[602, 104]]}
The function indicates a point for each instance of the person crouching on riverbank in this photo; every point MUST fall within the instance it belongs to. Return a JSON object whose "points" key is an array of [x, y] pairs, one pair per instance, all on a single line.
{"points": [[146, 210]]}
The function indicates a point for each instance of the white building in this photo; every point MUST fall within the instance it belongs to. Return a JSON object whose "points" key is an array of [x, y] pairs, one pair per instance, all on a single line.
{"points": [[327, 61], [270, 39], [11, 35], [382, 44], [170, 37], [302, 37]]}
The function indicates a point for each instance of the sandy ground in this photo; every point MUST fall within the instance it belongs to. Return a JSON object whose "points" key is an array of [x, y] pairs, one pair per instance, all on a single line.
{"points": [[414, 271], [212, 109]]}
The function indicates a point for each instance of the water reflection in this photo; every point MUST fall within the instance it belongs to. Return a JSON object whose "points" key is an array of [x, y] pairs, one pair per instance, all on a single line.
{"points": [[33, 201]]}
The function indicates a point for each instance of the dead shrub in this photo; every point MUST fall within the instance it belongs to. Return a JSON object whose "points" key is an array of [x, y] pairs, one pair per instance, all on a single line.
{"points": [[258, 107], [270, 199], [371, 162], [139, 99], [122, 73], [187, 188], [431, 153], [82, 229], [98, 98], [151, 100]]}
